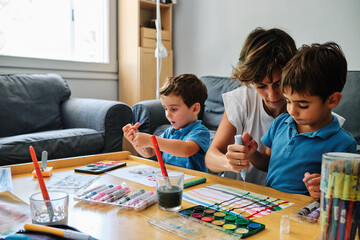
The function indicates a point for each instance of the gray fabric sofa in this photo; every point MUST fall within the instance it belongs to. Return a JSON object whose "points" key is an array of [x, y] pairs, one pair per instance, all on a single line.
{"points": [[151, 114], [152, 118], [36, 109]]}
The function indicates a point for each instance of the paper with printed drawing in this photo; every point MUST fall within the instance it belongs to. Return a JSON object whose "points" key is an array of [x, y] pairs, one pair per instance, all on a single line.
{"points": [[14, 213], [143, 174]]}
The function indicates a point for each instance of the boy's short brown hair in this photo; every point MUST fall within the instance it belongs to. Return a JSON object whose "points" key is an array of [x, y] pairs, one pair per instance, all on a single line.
{"points": [[264, 52], [188, 86], [318, 70]]}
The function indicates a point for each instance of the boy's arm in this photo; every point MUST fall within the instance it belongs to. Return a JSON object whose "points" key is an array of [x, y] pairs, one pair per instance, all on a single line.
{"points": [[178, 148], [261, 160]]}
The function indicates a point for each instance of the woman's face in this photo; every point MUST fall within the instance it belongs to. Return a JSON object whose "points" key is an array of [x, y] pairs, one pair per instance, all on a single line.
{"points": [[271, 94]]}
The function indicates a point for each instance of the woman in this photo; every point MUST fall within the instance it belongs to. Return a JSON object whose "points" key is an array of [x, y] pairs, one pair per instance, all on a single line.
{"points": [[252, 107]]}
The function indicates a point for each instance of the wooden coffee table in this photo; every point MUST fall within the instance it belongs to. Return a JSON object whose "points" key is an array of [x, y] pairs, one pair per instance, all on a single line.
{"points": [[108, 222]]}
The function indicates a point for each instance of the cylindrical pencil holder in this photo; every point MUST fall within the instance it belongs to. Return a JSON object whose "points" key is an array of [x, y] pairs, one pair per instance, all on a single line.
{"points": [[340, 195]]}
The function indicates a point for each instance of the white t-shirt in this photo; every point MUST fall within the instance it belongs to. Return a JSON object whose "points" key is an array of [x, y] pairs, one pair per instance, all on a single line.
{"points": [[245, 111]]}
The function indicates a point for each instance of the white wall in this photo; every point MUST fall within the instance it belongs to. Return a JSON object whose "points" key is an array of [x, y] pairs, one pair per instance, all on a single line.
{"points": [[208, 34]]}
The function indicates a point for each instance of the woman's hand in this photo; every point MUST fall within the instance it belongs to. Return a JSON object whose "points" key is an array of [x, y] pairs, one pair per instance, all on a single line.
{"points": [[238, 154]]}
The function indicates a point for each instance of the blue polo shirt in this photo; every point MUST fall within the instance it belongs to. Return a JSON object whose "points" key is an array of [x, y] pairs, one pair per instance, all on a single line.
{"points": [[293, 154], [195, 132]]}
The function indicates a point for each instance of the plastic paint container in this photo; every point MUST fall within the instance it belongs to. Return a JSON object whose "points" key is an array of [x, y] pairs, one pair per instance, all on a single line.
{"points": [[218, 222], [242, 222]]}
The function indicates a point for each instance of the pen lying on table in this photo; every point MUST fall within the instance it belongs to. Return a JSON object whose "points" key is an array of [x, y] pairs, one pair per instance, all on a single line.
{"points": [[57, 231]]}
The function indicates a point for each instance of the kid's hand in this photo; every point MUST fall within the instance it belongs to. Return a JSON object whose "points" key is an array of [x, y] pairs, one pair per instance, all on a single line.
{"points": [[142, 140], [129, 131], [312, 183], [238, 155]]}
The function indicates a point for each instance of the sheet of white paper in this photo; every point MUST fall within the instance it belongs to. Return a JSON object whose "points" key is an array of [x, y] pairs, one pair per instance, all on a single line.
{"points": [[143, 174], [5, 180]]}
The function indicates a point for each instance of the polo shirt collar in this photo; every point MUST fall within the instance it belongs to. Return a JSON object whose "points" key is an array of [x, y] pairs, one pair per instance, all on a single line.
{"points": [[187, 129], [324, 132]]}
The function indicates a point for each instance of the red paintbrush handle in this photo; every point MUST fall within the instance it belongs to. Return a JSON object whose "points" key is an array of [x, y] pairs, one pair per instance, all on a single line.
{"points": [[158, 155], [39, 175]]}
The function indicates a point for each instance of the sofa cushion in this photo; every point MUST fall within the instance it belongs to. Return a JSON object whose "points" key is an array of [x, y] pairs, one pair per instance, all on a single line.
{"points": [[35, 107], [214, 106], [349, 106], [58, 144]]}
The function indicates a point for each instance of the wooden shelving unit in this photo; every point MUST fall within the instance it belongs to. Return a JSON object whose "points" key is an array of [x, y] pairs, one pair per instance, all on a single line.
{"points": [[137, 39]]}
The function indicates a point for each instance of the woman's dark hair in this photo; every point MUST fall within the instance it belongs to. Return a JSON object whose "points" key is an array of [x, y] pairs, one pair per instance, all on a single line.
{"points": [[264, 52]]}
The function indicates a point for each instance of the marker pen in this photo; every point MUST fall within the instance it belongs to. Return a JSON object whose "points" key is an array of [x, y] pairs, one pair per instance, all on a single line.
{"points": [[130, 204], [142, 204], [308, 209], [132, 196], [91, 190], [107, 191], [97, 191], [314, 215], [117, 194]]}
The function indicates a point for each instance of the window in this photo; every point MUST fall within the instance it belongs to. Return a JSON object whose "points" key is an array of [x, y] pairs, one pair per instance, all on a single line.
{"points": [[58, 34]]}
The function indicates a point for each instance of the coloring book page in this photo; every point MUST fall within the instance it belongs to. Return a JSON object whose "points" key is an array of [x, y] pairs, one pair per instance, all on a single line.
{"points": [[143, 174]]}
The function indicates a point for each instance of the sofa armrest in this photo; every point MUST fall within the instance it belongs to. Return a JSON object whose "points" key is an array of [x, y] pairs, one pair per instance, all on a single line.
{"points": [[150, 114], [107, 117]]}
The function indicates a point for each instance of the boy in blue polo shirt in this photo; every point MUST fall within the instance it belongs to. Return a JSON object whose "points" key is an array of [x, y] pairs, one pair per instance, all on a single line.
{"points": [[311, 83], [186, 142]]}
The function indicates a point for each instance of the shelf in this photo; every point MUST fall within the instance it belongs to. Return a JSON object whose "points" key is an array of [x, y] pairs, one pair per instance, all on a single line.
{"points": [[152, 4]]}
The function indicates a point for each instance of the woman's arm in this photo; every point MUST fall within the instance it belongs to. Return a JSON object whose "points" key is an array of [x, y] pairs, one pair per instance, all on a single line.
{"points": [[223, 154]]}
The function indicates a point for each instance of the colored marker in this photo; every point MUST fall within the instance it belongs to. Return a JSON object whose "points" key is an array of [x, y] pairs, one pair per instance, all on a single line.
{"points": [[130, 204], [97, 191], [314, 215], [91, 190], [238, 140], [336, 206], [107, 191], [115, 195], [308, 209], [194, 182], [142, 204], [355, 220], [128, 198]]}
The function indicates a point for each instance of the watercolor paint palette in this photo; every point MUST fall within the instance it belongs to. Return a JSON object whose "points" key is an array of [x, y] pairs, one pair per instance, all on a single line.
{"points": [[223, 221], [100, 167]]}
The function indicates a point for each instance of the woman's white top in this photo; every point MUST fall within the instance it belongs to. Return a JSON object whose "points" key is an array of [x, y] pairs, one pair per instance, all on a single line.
{"points": [[245, 111]]}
